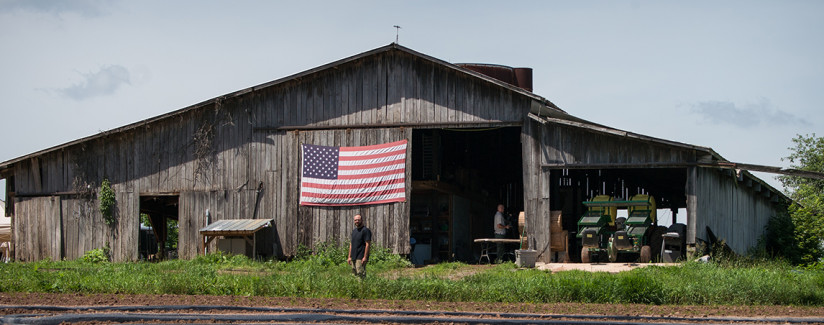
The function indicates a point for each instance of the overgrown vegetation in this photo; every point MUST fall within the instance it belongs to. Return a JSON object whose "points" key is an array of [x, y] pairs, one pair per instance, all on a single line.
{"points": [[323, 273], [97, 255], [807, 210], [107, 202]]}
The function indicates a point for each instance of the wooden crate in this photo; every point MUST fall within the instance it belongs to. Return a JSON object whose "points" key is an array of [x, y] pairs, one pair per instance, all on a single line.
{"points": [[558, 241]]}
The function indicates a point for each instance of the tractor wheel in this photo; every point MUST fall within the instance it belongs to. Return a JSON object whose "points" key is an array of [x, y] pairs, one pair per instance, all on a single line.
{"points": [[612, 252], [584, 255], [645, 254]]}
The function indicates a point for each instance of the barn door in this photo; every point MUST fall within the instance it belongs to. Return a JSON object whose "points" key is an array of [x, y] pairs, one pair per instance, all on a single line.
{"points": [[38, 228]]}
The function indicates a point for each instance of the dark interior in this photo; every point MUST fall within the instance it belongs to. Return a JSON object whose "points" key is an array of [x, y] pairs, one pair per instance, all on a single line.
{"points": [[162, 210], [459, 177]]}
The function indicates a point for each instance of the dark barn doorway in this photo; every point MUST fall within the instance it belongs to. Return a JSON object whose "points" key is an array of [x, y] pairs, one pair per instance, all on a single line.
{"points": [[159, 227], [459, 176], [571, 187]]}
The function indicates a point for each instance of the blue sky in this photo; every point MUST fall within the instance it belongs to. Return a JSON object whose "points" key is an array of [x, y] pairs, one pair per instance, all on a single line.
{"points": [[741, 77]]}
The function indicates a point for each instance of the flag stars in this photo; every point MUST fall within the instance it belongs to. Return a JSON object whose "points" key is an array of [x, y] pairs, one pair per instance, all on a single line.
{"points": [[320, 161]]}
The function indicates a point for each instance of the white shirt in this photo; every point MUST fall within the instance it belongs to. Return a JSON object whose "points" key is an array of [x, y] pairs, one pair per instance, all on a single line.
{"points": [[499, 220]]}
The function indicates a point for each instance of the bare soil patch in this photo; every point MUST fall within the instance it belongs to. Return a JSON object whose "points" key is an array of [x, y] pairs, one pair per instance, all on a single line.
{"points": [[596, 267], [73, 300]]}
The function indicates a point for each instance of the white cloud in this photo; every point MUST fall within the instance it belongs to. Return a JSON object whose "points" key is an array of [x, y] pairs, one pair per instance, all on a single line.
{"points": [[100, 83], [747, 115], [85, 8]]}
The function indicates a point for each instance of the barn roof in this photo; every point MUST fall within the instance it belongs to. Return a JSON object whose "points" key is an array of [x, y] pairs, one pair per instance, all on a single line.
{"points": [[542, 110], [543, 103]]}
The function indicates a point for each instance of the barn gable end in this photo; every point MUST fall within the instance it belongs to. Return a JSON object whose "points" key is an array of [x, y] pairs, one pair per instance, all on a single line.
{"points": [[475, 142]]}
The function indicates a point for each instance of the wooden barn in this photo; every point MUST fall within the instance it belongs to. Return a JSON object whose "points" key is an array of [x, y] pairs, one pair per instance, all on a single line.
{"points": [[477, 137]]}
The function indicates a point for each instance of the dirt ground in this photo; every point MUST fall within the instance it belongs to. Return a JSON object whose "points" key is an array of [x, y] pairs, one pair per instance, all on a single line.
{"points": [[53, 299], [595, 267]]}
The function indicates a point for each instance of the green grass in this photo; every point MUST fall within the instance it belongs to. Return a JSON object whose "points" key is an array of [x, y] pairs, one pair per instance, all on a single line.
{"points": [[325, 274]]}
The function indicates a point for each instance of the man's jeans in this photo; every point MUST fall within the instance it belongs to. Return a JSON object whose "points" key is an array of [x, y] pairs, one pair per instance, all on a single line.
{"points": [[499, 254]]}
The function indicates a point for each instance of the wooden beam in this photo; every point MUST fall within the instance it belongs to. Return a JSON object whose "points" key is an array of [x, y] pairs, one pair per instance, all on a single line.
{"points": [[715, 164], [46, 194], [765, 169], [159, 193], [390, 125], [204, 243], [617, 165]]}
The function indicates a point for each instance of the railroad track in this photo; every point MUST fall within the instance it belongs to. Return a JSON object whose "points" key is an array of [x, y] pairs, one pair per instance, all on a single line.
{"points": [[30, 314]]}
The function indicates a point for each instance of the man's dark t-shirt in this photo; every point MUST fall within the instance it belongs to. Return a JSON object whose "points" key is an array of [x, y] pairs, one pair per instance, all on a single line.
{"points": [[359, 239]]}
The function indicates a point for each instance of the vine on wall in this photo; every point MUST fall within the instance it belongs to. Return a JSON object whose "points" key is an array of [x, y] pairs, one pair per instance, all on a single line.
{"points": [[204, 154], [107, 202]]}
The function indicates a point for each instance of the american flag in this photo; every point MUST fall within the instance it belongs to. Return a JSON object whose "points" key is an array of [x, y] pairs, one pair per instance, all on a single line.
{"points": [[353, 175]]}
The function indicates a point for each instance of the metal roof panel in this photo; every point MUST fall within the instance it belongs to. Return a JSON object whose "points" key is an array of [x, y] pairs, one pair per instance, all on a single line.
{"points": [[236, 225]]}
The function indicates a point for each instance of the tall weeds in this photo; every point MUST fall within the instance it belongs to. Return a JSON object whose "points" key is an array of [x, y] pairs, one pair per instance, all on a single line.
{"points": [[324, 273]]}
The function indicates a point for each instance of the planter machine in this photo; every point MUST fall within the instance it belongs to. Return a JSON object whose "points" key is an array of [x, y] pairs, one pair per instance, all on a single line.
{"points": [[601, 232]]}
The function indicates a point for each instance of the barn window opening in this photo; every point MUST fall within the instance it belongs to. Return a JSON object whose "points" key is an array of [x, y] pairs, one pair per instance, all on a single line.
{"points": [[158, 238], [459, 176]]}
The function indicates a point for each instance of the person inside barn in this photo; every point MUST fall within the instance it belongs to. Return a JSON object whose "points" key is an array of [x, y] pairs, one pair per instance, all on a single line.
{"points": [[501, 227], [359, 247]]}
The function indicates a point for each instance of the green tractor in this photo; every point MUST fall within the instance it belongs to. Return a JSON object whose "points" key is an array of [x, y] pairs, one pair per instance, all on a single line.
{"points": [[601, 232]]}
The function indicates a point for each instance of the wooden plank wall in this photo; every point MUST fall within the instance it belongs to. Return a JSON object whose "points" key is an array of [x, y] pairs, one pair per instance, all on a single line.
{"points": [[536, 189], [245, 167], [731, 209], [42, 233], [382, 89], [565, 144], [691, 191]]}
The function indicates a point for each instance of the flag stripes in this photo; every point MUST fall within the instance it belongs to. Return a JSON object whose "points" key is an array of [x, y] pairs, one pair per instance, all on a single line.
{"points": [[353, 175]]}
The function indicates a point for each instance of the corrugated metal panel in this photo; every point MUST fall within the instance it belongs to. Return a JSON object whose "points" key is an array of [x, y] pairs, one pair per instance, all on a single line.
{"points": [[236, 225]]}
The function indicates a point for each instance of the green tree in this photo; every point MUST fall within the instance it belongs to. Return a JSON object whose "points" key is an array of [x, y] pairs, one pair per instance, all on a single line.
{"points": [[807, 209]]}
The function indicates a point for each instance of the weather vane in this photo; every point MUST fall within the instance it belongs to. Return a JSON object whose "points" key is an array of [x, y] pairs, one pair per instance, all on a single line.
{"points": [[397, 31]]}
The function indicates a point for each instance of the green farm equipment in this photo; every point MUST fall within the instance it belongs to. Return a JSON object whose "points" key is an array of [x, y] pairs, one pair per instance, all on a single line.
{"points": [[601, 232]]}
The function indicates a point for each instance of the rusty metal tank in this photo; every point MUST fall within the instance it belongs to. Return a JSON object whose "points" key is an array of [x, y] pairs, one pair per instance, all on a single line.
{"points": [[519, 77]]}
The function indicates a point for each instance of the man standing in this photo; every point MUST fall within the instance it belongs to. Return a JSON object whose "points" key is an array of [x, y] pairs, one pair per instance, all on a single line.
{"points": [[359, 244], [500, 232]]}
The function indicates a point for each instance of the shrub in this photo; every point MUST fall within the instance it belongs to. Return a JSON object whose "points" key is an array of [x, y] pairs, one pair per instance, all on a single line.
{"points": [[97, 255], [107, 202]]}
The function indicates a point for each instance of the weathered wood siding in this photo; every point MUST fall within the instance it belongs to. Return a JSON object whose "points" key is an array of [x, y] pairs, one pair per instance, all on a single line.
{"points": [[570, 145], [536, 189], [40, 234], [734, 211], [238, 156]]}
